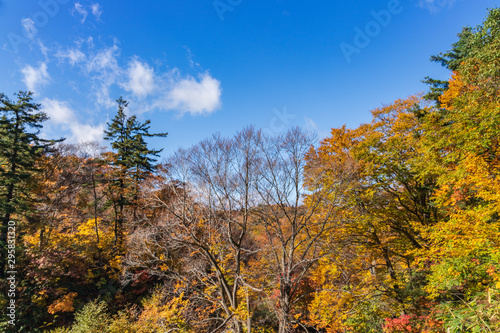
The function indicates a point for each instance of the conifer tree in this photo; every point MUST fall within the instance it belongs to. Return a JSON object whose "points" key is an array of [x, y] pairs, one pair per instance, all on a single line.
{"points": [[20, 146], [133, 159]]}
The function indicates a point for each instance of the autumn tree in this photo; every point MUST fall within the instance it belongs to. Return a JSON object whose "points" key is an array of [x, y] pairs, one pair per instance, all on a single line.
{"points": [[234, 230], [462, 150], [290, 227], [385, 204], [94, 179], [62, 262], [202, 240]]}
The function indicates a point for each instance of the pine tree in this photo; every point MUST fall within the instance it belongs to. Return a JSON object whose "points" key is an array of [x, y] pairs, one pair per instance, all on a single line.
{"points": [[20, 146], [133, 159]]}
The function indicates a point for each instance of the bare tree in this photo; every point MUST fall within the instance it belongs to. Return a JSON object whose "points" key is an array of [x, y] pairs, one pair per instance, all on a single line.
{"points": [[91, 153], [238, 217], [205, 221], [295, 213]]}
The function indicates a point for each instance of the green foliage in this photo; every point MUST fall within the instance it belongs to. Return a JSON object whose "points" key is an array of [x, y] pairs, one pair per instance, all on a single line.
{"points": [[20, 146], [437, 88], [127, 139], [480, 313], [60, 330], [476, 52], [132, 162], [367, 318], [93, 318], [459, 52]]}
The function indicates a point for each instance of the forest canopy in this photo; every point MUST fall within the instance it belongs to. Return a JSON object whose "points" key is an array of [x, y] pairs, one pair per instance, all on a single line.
{"points": [[392, 226]]}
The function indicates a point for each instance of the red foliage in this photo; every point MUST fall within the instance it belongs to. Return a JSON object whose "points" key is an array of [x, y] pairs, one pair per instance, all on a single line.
{"points": [[413, 323]]}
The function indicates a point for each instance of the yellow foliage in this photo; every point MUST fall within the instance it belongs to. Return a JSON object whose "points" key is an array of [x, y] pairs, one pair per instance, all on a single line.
{"points": [[158, 317], [456, 87]]}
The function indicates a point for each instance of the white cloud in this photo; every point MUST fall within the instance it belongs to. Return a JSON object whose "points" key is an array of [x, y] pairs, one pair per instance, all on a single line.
{"points": [[80, 10], [87, 133], [58, 112], [96, 10], [90, 42], [61, 115], [30, 30], [99, 67], [44, 49], [104, 71], [101, 75], [190, 56], [74, 56], [83, 11], [104, 60], [140, 78], [193, 96], [35, 77], [435, 5]]}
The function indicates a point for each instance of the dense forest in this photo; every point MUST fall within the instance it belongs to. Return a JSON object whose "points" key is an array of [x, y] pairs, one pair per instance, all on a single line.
{"points": [[393, 226]]}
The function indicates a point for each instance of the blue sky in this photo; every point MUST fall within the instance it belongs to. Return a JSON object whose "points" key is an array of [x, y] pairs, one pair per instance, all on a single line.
{"points": [[200, 67]]}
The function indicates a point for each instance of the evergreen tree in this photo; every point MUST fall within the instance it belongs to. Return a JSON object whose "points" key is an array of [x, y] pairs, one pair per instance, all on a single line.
{"points": [[476, 48], [437, 88], [20, 146], [133, 159]]}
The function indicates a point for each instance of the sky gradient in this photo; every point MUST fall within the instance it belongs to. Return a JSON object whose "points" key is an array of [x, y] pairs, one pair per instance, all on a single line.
{"points": [[200, 67]]}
